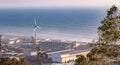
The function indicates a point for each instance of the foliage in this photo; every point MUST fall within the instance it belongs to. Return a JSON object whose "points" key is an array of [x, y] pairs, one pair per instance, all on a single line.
{"points": [[23, 61], [8, 61], [106, 48], [13, 61], [109, 31], [109, 34], [80, 60]]}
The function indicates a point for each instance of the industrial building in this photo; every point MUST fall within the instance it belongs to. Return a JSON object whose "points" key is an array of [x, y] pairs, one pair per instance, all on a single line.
{"points": [[65, 56]]}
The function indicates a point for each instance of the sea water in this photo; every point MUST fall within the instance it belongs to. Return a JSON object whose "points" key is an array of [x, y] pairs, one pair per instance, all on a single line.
{"points": [[65, 24]]}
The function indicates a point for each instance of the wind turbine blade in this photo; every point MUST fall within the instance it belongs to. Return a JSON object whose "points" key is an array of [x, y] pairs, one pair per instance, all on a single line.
{"points": [[35, 21], [34, 30], [38, 27]]}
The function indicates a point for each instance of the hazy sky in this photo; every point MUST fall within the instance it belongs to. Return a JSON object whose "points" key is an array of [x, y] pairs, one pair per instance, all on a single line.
{"points": [[57, 3]]}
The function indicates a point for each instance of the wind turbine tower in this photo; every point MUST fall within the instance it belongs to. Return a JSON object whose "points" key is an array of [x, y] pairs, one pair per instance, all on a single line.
{"points": [[37, 48]]}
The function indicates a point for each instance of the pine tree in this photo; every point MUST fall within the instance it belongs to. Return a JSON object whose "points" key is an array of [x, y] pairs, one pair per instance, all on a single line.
{"points": [[109, 31], [109, 34]]}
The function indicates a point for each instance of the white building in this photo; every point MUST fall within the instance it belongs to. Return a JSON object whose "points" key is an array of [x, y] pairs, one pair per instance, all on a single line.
{"points": [[29, 53], [57, 52], [76, 44], [67, 57], [13, 41]]}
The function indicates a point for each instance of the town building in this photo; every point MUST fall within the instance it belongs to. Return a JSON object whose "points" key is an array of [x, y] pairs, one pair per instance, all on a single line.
{"points": [[29, 53], [65, 56]]}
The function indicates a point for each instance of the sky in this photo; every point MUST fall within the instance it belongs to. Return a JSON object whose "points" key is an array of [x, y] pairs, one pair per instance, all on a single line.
{"points": [[58, 3]]}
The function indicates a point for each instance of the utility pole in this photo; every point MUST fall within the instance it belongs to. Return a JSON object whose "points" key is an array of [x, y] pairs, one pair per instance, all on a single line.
{"points": [[0, 43]]}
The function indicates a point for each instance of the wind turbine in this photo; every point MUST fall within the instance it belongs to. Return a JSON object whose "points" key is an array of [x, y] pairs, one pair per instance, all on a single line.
{"points": [[36, 27]]}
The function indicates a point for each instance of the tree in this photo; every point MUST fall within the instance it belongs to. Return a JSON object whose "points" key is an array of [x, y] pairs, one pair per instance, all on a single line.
{"points": [[8, 61], [23, 61], [80, 60], [109, 31], [109, 34], [14, 61], [106, 48]]}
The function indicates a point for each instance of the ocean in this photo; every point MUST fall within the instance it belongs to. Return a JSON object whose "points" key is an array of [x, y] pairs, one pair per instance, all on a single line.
{"points": [[65, 24]]}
